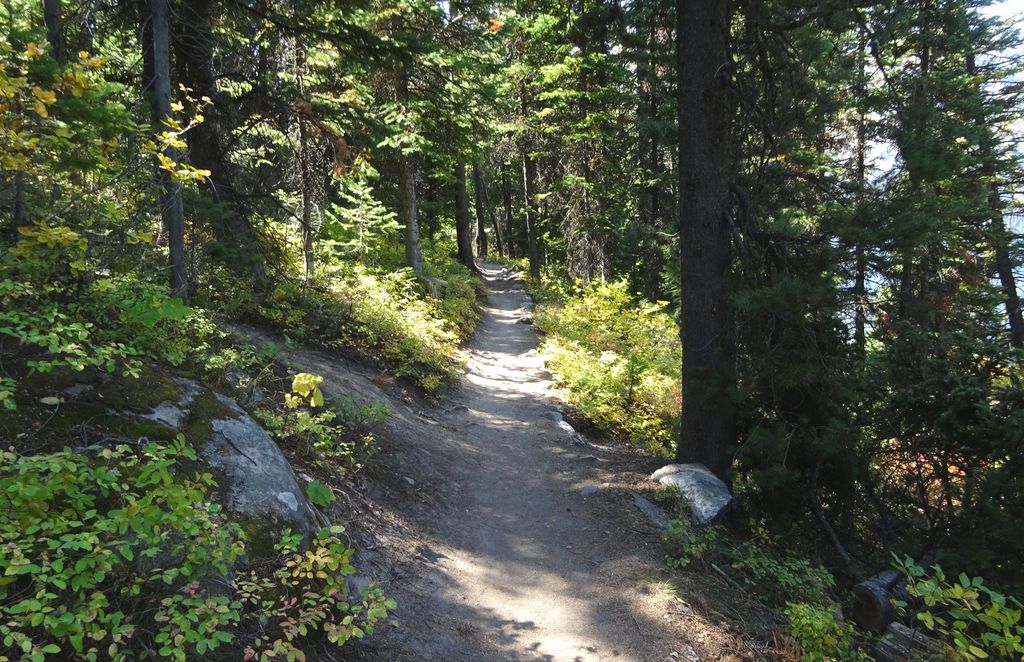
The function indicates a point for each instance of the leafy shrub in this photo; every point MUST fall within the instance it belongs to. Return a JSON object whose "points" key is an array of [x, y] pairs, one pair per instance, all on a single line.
{"points": [[975, 621], [333, 434], [618, 360], [390, 315], [777, 578], [116, 552], [773, 576], [822, 634], [319, 494], [687, 543]]}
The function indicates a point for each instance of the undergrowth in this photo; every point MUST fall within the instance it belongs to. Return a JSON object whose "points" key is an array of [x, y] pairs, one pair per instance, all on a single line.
{"points": [[392, 315], [616, 358], [116, 552]]}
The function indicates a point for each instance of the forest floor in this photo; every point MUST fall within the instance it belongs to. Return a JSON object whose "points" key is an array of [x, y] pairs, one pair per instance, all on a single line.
{"points": [[501, 540]]}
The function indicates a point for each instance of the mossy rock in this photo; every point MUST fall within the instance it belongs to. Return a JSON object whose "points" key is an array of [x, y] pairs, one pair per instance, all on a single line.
{"points": [[256, 484]]}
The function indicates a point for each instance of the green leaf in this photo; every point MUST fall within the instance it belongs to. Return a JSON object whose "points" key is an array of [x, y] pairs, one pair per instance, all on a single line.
{"points": [[319, 494]]}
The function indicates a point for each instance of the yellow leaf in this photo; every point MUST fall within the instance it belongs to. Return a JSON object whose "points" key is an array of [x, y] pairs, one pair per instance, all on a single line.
{"points": [[46, 96]]}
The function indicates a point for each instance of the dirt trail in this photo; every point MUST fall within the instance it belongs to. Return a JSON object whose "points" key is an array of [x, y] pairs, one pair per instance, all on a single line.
{"points": [[499, 538]]}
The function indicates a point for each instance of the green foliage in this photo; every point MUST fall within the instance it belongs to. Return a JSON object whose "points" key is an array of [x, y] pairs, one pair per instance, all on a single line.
{"points": [[110, 553], [391, 315], [618, 360], [87, 539], [776, 577], [319, 494], [773, 575], [975, 621], [334, 434], [305, 594], [687, 543], [822, 634]]}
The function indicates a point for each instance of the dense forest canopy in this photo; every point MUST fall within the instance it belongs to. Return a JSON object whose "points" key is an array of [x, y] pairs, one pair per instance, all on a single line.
{"points": [[775, 237]]}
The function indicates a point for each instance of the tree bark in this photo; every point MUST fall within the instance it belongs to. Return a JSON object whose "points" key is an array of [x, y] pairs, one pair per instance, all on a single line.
{"points": [[463, 222], [407, 212], [478, 198], [499, 238], [530, 195], [170, 198], [704, 114], [860, 258], [195, 42], [53, 17], [506, 193], [1004, 267]]}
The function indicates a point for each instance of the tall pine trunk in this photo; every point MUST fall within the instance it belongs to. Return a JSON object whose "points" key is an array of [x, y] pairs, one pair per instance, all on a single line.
{"points": [[463, 222], [407, 193], [195, 42], [704, 254], [170, 198], [499, 236], [53, 17], [478, 198], [1004, 267], [530, 196], [506, 195]]}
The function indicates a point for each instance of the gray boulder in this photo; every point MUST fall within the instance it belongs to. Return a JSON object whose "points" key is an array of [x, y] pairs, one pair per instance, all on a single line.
{"points": [[703, 491], [255, 483]]}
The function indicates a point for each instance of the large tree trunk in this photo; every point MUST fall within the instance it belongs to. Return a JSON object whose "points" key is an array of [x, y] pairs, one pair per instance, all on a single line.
{"points": [[463, 227], [407, 212], [707, 321], [506, 194], [170, 199], [530, 195], [195, 42], [1004, 267], [481, 224], [54, 20], [499, 236], [407, 193]]}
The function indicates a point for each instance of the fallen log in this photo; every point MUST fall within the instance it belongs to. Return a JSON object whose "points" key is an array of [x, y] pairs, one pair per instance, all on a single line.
{"points": [[872, 600], [901, 643]]}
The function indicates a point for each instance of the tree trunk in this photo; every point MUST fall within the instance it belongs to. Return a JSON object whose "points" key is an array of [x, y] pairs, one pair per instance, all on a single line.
{"points": [[707, 322], [53, 17], [407, 212], [463, 222], [860, 259], [195, 42], [506, 194], [481, 223], [170, 198], [499, 238], [407, 193], [1004, 267], [529, 195]]}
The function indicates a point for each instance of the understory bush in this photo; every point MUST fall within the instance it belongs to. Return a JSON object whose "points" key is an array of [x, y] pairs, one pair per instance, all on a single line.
{"points": [[972, 620], [618, 360], [391, 315], [779, 579], [116, 552], [332, 434]]}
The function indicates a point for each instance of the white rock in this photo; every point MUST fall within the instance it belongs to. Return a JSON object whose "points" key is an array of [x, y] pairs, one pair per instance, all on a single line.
{"points": [[705, 493]]}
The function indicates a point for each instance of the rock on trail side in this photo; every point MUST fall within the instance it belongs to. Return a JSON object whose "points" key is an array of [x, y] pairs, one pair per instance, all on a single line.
{"points": [[499, 537]]}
